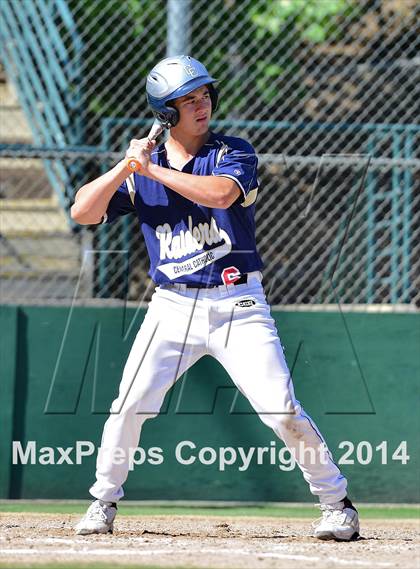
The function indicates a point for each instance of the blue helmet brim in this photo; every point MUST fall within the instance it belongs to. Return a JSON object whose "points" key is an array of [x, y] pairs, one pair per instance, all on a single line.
{"points": [[188, 87]]}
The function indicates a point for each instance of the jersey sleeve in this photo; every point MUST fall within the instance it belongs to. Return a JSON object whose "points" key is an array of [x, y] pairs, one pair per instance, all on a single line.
{"points": [[120, 204], [239, 163]]}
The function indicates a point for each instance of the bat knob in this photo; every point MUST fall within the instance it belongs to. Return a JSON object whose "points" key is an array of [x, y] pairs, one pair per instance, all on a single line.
{"points": [[133, 164]]}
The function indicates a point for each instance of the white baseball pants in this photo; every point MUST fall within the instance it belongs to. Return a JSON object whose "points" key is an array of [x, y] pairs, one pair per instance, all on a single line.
{"points": [[182, 325]]}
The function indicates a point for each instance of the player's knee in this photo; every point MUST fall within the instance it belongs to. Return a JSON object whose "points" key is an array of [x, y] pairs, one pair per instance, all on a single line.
{"points": [[145, 407], [147, 399], [285, 423], [149, 413]]}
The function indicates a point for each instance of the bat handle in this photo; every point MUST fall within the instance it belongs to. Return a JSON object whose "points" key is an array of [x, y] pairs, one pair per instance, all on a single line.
{"points": [[155, 131], [133, 164]]}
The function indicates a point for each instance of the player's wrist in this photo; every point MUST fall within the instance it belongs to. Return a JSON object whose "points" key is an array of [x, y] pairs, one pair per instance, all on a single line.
{"points": [[122, 167], [152, 170]]}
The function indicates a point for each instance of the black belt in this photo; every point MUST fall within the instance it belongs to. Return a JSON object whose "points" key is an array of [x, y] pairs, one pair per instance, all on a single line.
{"points": [[243, 279]]}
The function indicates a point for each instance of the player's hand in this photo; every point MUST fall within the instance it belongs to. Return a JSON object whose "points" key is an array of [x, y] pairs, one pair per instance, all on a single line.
{"points": [[140, 150]]}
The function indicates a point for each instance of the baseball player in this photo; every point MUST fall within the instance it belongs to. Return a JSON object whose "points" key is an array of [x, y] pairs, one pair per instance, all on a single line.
{"points": [[194, 197]]}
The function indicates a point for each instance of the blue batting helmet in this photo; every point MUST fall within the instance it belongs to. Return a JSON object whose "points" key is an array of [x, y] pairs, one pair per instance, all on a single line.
{"points": [[174, 77]]}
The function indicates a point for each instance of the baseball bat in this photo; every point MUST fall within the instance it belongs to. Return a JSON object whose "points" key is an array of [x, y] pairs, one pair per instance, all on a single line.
{"points": [[132, 163]]}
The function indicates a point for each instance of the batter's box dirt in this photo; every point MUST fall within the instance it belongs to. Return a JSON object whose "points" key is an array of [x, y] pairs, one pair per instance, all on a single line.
{"points": [[202, 542]]}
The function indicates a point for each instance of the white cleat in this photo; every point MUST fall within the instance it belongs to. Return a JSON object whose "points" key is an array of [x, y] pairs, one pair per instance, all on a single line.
{"points": [[340, 521], [98, 519]]}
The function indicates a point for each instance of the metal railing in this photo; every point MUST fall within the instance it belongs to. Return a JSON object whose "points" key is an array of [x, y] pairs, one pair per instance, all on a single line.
{"points": [[42, 54]]}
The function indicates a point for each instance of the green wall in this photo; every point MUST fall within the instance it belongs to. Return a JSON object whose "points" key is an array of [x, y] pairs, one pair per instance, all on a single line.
{"points": [[356, 374]]}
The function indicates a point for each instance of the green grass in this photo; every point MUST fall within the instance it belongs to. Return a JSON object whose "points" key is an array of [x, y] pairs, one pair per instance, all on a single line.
{"points": [[367, 512]]}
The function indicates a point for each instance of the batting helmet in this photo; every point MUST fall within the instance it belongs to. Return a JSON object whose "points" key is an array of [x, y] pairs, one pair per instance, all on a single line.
{"points": [[174, 77]]}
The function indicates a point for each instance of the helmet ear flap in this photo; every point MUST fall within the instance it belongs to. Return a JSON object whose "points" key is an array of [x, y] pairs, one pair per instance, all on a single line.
{"points": [[214, 96], [170, 117]]}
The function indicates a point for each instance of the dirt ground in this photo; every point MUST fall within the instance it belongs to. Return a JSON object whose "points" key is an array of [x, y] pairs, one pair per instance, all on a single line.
{"points": [[210, 542]]}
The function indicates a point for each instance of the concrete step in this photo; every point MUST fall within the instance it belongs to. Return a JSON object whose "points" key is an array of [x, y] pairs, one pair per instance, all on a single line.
{"points": [[31, 218], [37, 289], [14, 127], [40, 268], [23, 178], [39, 254], [35, 239]]}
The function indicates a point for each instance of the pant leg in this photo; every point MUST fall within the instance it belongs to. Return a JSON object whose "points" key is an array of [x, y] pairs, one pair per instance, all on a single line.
{"points": [[167, 344], [246, 343]]}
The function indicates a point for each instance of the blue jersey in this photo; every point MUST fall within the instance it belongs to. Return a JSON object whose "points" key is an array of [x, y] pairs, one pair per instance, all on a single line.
{"points": [[188, 242]]}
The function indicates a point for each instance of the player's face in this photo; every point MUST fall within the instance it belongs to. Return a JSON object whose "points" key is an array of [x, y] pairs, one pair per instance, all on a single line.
{"points": [[194, 111]]}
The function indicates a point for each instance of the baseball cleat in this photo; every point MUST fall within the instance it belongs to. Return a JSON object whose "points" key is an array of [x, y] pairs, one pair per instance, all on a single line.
{"points": [[99, 518], [340, 521]]}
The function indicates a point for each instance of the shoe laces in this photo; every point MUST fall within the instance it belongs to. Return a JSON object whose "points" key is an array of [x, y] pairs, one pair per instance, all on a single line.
{"points": [[331, 513], [97, 511]]}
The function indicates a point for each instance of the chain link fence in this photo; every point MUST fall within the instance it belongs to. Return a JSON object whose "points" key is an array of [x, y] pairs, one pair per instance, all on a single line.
{"points": [[326, 91]]}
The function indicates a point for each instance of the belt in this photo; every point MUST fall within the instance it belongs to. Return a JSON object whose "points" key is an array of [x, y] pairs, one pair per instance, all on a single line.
{"points": [[243, 279]]}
